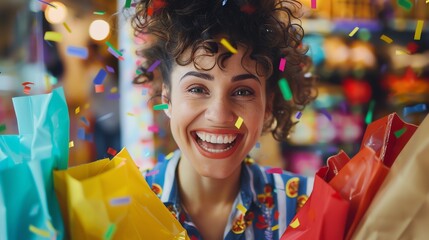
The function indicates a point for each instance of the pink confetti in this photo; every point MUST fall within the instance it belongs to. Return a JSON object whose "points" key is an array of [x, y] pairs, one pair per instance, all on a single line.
{"points": [[153, 128], [274, 170], [282, 64], [313, 4]]}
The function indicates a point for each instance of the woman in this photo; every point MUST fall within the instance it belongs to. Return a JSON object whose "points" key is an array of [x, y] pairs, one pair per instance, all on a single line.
{"points": [[221, 98]]}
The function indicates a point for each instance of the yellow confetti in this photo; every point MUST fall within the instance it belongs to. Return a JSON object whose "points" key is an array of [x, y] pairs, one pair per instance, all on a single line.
{"points": [[50, 227], [169, 156], [295, 223], [130, 114], [77, 110], [39, 231], [386, 39], [53, 36], [71, 144], [401, 52], [228, 46], [241, 208], [352, 33], [114, 90], [86, 106], [276, 227], [419, 27], [67, 27], [238, 122]]}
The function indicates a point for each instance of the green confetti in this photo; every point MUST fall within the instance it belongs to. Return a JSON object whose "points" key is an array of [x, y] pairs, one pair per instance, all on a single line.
{"points": [[99, 12], [284, 88], [2, 127], [128, 4], [368, 118], [400, 132], [405, 4], [160, 106], [110, 231]]}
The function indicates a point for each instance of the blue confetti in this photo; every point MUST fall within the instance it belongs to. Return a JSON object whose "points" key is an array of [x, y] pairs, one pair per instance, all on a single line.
{"points": [[79, 52], [98, 80], [413, 109], [120, 201]]}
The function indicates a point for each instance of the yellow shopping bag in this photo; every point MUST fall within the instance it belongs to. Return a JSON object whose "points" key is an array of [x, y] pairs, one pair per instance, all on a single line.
{"points": [[110, 199]]}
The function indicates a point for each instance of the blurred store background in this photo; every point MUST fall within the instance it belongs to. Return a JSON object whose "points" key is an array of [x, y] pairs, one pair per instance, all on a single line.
{"points": [[371, 58]]}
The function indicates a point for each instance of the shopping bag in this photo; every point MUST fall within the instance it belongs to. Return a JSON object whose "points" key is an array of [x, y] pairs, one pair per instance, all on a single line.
{"points": [[29, 208], [400, 209], [110, 199], [323, 216]]}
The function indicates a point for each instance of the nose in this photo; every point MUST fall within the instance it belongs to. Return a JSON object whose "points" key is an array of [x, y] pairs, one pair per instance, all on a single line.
{"points": [[219, 111]]}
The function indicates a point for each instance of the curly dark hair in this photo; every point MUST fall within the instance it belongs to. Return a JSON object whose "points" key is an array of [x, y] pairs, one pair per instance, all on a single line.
{"points": [[269, 29]]}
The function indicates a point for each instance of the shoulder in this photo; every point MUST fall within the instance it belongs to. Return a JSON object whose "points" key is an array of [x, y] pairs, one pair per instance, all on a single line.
{"points": [[158, 174]]}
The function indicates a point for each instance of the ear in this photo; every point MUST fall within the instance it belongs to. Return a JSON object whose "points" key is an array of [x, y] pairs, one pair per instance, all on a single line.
{"points": [[165, 98], [269, 106]]}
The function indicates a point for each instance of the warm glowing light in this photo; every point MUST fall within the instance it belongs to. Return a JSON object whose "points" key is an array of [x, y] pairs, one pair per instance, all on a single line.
{"points": [[99, 30], [56, 15]]}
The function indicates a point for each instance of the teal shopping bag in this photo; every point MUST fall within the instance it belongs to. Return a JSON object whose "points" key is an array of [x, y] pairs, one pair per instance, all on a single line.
{"points": [[29, 208]]}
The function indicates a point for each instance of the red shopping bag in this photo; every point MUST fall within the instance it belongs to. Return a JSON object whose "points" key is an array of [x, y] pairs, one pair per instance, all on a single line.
{"points": [[323, 216]]}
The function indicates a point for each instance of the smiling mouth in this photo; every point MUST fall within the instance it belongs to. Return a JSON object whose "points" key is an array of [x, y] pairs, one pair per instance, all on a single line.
{"points": [[215, 143]]}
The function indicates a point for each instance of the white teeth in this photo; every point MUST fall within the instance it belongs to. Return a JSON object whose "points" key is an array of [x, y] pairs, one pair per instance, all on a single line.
{"points": [[216, 150], [216, 138]]}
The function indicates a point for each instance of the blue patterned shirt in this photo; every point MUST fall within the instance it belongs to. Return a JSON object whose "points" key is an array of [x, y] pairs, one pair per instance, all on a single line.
{"points": [[263, 208]]}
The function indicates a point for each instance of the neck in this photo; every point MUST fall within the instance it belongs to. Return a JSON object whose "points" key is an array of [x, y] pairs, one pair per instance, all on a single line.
{"points": [[205, 191]]}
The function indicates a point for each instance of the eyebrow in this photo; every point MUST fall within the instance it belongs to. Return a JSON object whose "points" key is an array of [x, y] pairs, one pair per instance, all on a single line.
{"points": [[210, 77]]}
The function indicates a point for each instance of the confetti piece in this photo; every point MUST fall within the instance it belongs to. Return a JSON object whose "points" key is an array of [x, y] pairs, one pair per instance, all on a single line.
{"points": [[111, 151], [224, 2], [274, 170], [104, 117], [160, 106], [99, 78], [282, 64], [130, 114], [85, 121], [153, 128], [79, 52], [169, 156], [27, 90], [258, 145], [110, 231], [313, 4], [295, 223], [113, 96], [151, 173], [110, 69], [34, 210], [47, 3], [99, 12], [238, 122], [39, 231], [401, 52], [327, 114], [120, 201], [81, 133], [228, 46], [99, 88], [154, 65], [241, 208], [386, 39], [284, 87], [53, 36], [405, 4], [368, 118], [419, 27], [86, 106], [413, 109], [276, 227], [115, 54], [128, 4], [113, 48], [400, 132], [114, 90], [77, 110], [71, 144], [298, 115], [67, 27], [352, 33]]}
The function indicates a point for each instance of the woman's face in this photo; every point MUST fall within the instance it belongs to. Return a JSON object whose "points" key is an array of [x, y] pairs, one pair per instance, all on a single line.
{"points": [[205, 106]]}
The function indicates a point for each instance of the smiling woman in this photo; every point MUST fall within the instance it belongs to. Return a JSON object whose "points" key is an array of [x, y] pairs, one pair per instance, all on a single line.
{"points": [[219, 79]]}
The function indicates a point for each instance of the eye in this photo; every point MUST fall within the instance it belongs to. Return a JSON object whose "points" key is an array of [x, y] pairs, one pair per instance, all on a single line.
{"points": [[197, 90], [243, 92]]}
